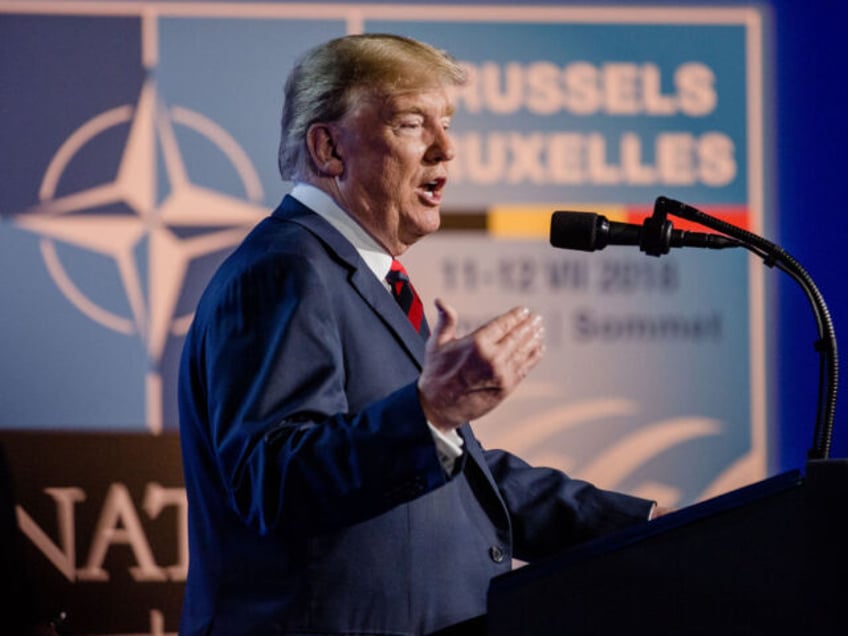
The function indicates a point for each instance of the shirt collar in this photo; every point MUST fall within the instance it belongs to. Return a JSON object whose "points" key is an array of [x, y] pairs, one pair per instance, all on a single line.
{"points": [[376, 258]]}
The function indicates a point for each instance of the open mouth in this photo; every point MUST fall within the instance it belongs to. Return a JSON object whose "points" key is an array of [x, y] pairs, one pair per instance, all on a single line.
{"points": [[433, 189]]}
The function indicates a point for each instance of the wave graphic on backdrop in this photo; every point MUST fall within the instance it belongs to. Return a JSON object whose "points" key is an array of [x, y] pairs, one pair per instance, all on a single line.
{"points": [[620, 456]]}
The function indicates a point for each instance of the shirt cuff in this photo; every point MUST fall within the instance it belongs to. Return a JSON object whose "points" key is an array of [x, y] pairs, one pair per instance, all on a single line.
{"points": [[448, 447]]}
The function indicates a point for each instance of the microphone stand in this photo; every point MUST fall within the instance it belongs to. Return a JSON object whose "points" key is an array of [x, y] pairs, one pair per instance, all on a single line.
{"points": [[773, 256]]}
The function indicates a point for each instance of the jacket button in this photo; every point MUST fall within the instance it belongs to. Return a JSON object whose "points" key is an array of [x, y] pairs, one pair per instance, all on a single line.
{"points": [[496, 553]]}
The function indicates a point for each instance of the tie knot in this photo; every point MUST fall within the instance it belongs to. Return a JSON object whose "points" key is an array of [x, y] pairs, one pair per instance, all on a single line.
{"points": [[405, 295], [397, 272]]}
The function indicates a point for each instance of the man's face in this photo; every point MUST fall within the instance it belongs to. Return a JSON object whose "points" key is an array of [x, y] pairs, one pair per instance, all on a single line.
{"points": [[395, 152]]}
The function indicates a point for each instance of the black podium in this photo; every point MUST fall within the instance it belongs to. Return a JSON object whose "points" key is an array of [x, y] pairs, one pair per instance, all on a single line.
{"points": [[770, 558]]}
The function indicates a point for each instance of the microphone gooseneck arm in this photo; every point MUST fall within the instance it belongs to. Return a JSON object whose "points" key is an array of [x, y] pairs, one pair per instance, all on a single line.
{"points": [[774, 256]]}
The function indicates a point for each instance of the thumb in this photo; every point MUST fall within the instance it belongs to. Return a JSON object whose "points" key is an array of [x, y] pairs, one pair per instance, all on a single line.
{"points": [[445, 330]]}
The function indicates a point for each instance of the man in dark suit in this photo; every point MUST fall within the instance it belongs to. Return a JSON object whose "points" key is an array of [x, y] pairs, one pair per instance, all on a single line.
{"points": [[334, 483]]}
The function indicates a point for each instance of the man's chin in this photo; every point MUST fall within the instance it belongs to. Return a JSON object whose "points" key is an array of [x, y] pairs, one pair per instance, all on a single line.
{"points": [[425, 229], [412, 238]]}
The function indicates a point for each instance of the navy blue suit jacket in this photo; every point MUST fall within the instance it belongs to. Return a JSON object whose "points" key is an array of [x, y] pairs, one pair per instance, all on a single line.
{"points": [[317, 502]]}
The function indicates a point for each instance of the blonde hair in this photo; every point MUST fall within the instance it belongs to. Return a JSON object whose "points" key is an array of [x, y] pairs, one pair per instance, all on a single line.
{"points": [[325, 82]]}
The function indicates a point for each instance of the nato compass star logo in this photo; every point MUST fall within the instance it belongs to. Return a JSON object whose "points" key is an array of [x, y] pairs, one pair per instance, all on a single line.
{"points": [[151, 240]]}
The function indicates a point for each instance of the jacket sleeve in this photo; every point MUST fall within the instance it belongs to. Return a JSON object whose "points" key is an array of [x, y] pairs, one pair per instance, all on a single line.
{"points": [[268, 380], [549, 511]]}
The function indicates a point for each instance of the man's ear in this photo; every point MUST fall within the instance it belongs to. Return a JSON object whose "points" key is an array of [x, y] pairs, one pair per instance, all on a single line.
{"points": [[323, 151]]}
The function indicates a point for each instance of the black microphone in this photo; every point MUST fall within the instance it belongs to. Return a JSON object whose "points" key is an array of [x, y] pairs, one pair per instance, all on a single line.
{"points": [[588, 231]]}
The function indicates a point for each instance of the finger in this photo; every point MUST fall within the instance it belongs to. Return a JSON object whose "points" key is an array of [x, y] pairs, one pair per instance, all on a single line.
{"points": [[522, 337], [446, 323], [525, 345], [534, 355], [500, 327]]}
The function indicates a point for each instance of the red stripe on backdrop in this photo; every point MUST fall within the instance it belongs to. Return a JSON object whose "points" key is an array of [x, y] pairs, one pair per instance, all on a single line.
{"points": [[737, 215]]}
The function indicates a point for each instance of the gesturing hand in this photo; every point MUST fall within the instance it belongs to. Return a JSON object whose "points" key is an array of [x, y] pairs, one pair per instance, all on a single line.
{"points": [[465, 378]]}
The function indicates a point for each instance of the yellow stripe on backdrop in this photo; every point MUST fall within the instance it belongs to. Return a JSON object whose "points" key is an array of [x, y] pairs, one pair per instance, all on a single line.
{"points": [[533, 220]]}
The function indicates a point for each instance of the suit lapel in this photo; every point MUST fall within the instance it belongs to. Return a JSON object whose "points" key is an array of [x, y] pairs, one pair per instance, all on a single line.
{"points": [[360, 277]]}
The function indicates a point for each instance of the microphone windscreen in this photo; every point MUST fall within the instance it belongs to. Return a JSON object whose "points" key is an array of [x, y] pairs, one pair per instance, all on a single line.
{"points": [[574, 230]]}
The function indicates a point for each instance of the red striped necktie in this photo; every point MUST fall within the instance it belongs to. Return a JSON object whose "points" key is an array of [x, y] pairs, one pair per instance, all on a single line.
{"points": [[405, 294]]}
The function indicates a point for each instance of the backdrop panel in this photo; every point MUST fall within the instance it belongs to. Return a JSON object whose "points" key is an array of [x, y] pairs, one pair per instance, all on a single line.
{"points": [[139, 145]]}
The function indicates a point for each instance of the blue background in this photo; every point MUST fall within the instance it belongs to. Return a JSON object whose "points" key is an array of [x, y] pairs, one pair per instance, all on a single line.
{"points": [[809, 142]]}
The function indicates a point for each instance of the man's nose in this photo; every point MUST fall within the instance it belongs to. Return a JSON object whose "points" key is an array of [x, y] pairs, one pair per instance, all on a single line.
{"points": [[443, 147]]}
